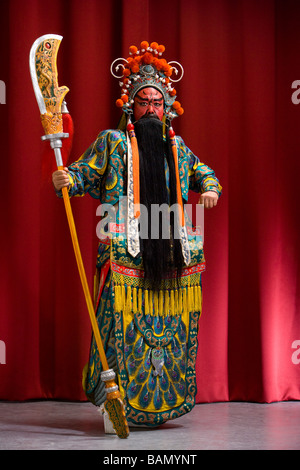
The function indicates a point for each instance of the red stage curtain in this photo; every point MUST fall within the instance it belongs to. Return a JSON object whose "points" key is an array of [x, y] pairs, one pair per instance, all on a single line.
{"points": [[240, 58]]}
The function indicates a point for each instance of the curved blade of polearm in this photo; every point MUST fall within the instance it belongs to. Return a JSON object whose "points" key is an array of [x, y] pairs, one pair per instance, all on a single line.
{"points": [[43, 71]]}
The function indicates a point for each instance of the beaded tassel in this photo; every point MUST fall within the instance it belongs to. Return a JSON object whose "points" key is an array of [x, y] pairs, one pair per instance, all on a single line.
{"points": [[135, 169], [178, 187]]}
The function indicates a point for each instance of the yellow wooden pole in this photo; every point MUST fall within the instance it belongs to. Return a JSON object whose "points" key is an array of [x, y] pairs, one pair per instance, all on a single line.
{"points": [[83, 278], [113, 404]]}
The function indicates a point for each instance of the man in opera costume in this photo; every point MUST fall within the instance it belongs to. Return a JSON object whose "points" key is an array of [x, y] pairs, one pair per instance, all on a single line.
{"points": [[148, 297]]}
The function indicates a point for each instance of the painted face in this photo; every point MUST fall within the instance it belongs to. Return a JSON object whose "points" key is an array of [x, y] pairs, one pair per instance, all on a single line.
{"points": [[148, 101]]}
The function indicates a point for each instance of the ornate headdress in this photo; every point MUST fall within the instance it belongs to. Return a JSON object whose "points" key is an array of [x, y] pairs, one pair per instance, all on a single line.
{"points": [[146, 68]]}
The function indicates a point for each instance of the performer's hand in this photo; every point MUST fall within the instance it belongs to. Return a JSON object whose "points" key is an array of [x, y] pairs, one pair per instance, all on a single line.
{"points": [[209, 199], [60, 178]]}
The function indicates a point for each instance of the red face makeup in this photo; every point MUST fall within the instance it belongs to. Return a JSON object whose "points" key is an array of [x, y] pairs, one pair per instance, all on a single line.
{"points": [[148, 101]]}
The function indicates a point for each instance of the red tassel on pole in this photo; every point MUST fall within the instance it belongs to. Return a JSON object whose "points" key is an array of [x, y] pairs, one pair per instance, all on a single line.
{"points": [[48, 163], [68, 126]]}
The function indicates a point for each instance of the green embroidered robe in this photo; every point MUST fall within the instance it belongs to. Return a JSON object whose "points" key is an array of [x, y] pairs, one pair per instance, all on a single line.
{"points": [[150, 338]]}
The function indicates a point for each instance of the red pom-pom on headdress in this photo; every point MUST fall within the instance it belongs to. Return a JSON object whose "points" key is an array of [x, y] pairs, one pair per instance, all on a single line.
{"points": [[144, 45], [133, 50]]}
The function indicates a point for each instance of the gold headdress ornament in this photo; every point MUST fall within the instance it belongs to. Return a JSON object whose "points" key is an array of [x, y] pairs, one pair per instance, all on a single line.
{"points": [[145, 67]]}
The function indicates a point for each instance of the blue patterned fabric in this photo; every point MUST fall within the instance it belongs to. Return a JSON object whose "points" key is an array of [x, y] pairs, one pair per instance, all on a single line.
{"points": [[150, 339]]}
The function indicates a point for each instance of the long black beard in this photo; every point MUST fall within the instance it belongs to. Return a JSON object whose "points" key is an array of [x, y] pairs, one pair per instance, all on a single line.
{"points": [[162, 255]]}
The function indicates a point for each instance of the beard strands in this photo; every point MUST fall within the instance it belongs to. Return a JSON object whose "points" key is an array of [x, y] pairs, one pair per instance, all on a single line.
{"points": [[157, 253]]}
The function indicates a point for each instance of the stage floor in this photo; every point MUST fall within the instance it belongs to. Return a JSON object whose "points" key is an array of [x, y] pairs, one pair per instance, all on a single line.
{"points": [[54, 425]]}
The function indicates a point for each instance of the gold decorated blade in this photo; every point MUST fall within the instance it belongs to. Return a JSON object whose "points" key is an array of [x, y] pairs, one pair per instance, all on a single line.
{"points": [[43, 70]]}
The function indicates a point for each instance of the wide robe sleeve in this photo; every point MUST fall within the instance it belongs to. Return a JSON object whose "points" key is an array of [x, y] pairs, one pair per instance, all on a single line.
{"points": [[88, 175], [201, 178]]}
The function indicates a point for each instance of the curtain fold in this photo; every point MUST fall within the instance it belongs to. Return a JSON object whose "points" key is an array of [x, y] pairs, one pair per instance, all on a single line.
{"points": [[240, 60]]}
